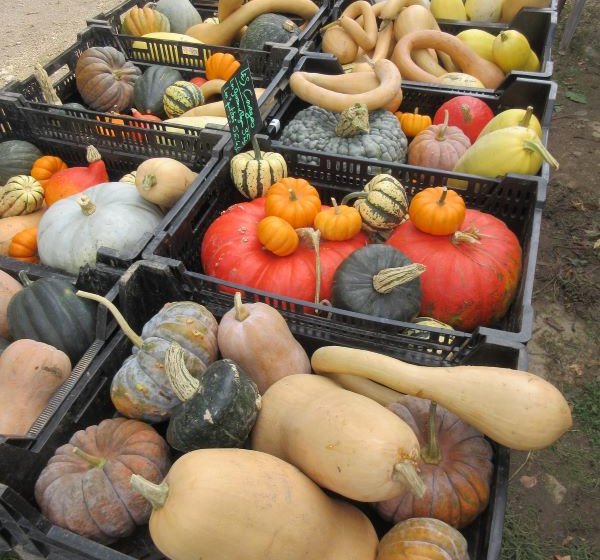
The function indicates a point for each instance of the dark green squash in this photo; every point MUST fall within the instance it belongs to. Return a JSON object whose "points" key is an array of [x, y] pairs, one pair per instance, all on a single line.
{"points": [[47, 310], [16, 158], [217, 410], [268, 28], [378, 282], [140, 389], [149, 90]]}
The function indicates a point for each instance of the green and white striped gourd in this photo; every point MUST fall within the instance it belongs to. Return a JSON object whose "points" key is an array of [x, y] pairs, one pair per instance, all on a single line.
{"points": [[181, 97], [383, 204]]}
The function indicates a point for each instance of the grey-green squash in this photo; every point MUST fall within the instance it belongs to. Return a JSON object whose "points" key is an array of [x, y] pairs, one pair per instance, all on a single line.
{"points": [[16, 158], [271, 28], [180, 97], [376, 281], [180, 13], [382, 204], [217, 410], [149, 89], [140, 389]]}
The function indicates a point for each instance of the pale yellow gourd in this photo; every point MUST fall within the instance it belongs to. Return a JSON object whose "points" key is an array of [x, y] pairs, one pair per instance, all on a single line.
{"points": [[480, 41], [222, 504], [487, 11], [515, 408], [513, 117], [345, 442], [163, 181], [257, 338], [453, 10]]}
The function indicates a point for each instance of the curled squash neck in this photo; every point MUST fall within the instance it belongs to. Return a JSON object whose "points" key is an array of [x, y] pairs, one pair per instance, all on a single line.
{"points": [[156, 494]]}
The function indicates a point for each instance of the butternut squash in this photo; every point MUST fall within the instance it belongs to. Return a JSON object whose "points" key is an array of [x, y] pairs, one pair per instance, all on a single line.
{"points": [[257, 338], [226, 7], [343, 441], [30, 373], [465, 58], [8, 288], [163, 181], [515, 408], [212, 88], [216, 108], [9, 227], [386, 72], [224, 32], [239, 503]]}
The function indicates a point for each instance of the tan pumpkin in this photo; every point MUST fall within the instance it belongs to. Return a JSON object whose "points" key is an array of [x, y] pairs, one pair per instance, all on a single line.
{"points": [[30, 373], [21, 195], [8, 288], [139, 21], [163, 181]]}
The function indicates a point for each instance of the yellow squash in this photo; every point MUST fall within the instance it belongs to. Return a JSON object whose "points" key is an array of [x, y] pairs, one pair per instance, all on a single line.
{"points": [[513, 117], [480, 41]]}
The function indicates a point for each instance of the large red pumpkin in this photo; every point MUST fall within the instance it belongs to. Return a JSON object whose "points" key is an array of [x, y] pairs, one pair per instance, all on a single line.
{"points": [[232, 251], [467, 112], [472, 275]]}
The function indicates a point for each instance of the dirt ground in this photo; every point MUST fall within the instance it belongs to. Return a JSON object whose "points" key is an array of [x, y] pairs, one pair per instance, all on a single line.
{"points": [[553, 510]]}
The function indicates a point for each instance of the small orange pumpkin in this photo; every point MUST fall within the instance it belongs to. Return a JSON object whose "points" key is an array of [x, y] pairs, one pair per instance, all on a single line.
{"points": [[276, 235], [294, 200], [109, 131], [45, 166], [437, 210], [338, 223], [23, 246], [413, 123], [221, 66]]}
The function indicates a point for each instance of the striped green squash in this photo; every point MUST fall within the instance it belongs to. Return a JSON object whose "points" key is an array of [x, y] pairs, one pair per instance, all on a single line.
{"points": [[253, 172], [383, 204], [181, 97]]}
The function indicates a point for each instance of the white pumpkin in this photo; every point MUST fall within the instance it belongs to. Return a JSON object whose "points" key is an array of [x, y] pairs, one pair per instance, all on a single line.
{"points": [[107, 215]]}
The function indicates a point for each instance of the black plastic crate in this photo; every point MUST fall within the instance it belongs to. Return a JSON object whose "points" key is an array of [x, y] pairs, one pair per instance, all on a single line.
{"points": [[270, 70], [517, 200], [208, 8], [538, 25], [518, 93]]}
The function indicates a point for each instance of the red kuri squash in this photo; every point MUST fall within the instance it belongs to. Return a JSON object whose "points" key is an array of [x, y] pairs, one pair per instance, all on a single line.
{"points": [[467, 112]]}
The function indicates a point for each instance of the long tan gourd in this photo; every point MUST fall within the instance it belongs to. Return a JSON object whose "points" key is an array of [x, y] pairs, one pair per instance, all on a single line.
{"points": [[226, 7], [515, 408], [337, 42], [163, 181], [216, 108], [256, 337], [465, 58], [224, 32], [386, 72], [222, 504], [212, 88], [364, 34], [343, 441], [383, 46]]}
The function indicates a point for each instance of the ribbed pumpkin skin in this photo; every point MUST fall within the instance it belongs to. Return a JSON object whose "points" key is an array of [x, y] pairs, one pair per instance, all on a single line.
{"points": [[458, 488], [272, 28], [105, 79], [139, 21], [220, 414], [21, 195], [181, 97], [141, 389], [252, 177], [48, 310], [16, 158], [97, 502], [438, 146], [181, 14], [353, 285], [149, 90]]}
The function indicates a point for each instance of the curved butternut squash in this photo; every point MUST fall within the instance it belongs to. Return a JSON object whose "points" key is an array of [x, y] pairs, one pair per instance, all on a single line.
{"points": [[216, 108], [231, 503], [163, 181], [515, 408], [343, 441]]}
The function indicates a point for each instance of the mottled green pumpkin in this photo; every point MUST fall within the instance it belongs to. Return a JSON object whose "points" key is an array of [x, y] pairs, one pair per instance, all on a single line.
{"points": [[140, 389], [180, 97], [271, 28], [149, 90], [217, 410], [16, 158]]}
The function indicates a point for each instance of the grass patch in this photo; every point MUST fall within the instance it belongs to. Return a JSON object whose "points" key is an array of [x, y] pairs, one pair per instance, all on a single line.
{"points": [[586, 409]]}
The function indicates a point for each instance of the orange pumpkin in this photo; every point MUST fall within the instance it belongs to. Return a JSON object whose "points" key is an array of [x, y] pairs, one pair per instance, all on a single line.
{"points": [[276, 235], [109, 131], [46, 166], [294, 200], [413, 123], [437, 210], [338, 223], [221, 66], [23, 246]]}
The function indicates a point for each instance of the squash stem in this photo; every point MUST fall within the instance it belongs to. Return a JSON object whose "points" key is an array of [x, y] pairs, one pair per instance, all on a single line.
{"points": [[406, 471], [442, 199], [313, 236], [526, 117], [241, 312], [441, 135], [86, 205], [92, 155], [336, 208], [94, 462], [470, 236], [135, 339], [353, 121], [351, 196], [24, 279], [536, 146], [184, 385], [156, 494], [148, 182], [256, 147], [389, 278], [431, 453]]}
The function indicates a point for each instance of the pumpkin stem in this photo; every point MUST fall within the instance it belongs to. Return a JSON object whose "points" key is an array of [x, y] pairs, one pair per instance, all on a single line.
{"points": [[441, 133], [353, 121], [526, 117], [431, 453], [148, 182], [94, 462], [92, 154], [444, 194], [406, 471], [184, 385], [469, 236], [256, 147], [48, 92], [336, 208], [241, 312], [293, 195], [24, 279], [535, 145], [288, 25], [353, 195], [135, 339], [156, 494], [313, 236], [87, 206], [389, 278]]}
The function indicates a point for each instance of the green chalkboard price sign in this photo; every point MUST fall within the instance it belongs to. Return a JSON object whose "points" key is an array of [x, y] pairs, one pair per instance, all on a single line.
{"points": [[241, 107]]}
